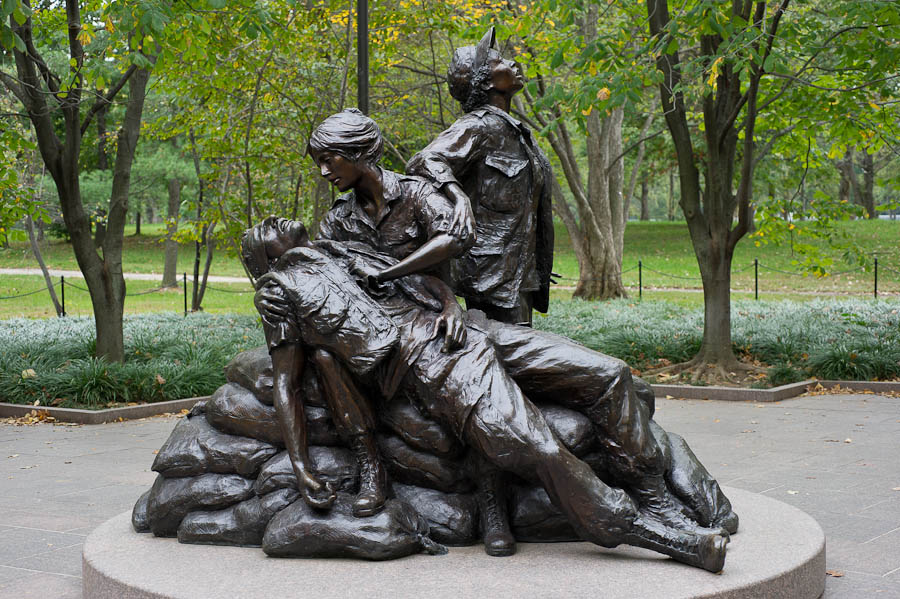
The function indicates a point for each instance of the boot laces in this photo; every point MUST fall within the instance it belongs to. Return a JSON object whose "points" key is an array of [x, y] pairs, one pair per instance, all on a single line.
{"points": [[494, 521], [366, 467]]}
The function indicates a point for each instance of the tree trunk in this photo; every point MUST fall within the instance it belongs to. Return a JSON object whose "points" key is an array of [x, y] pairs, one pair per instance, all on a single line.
{"points": [[868, 189], [210, 248], [102, 273], [670, 199], [845, 170], [171, 260], [716, 275], [36, 250], [645, 198], [604, 240], [102, 158], [109, 300], [195, 295], [137, 221], [100, 229]]}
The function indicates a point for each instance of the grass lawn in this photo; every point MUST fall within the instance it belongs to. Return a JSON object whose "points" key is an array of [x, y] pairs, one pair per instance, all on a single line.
{"points": [[142, 254], [143, 296], [664, 247]]}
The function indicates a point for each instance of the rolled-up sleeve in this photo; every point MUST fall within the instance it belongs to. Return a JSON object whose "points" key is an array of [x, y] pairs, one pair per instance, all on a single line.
{"points": [[446, 158], [435, 213], [282, 330]]}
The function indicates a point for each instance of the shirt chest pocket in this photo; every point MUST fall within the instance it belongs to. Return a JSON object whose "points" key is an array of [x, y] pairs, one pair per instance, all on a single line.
{"points": [[401, 234], [505, 182]]}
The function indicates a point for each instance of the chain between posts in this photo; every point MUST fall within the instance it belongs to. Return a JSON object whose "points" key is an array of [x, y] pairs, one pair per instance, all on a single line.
{"points": [[755, 265]]}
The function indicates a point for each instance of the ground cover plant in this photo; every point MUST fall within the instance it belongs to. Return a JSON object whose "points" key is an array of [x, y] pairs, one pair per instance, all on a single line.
{"points": [[167, 356], [840, 338]]}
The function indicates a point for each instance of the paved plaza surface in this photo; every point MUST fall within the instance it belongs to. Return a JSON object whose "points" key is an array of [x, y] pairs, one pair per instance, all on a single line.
{"points": [[834, 456]]}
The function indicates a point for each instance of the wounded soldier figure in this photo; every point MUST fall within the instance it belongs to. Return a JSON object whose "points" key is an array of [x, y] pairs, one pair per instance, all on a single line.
{"points": [[409, 338]]}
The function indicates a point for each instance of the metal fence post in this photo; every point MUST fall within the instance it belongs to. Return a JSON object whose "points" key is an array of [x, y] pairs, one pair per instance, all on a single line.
{"points": [[362, 55], [756, 278], [62, 293], [876, 278], [640, 280], [184, 288]]}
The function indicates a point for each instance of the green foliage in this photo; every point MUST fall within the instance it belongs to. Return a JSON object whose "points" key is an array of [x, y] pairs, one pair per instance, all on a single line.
{"points": [[829, 339], [16, 198], [784, 374], [167, 357]]}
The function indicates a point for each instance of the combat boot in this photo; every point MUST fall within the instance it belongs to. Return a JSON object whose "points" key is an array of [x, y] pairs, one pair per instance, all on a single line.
{"points": [[498, 539], [705, 551], [372, 478]]}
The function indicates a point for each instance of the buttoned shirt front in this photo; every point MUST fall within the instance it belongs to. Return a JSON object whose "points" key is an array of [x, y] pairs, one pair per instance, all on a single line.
{"points": [[413, 212], [496, 161]]}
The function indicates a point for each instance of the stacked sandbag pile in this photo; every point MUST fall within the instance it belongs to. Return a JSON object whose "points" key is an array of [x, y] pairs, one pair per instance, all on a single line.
{"points": [[225, 478]]}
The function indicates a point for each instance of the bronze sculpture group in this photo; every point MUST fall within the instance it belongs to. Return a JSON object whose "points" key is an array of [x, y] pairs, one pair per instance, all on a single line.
{"points": [[430, 400]]}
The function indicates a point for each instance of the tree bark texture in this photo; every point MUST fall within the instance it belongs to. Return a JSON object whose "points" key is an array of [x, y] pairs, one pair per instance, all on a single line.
{"points": [[38, 89], [102, 158], [171, 260], [603, 242], [710, 210], [645, 198], [36, 250], [670, 199], [598, 231], [868, 188]]}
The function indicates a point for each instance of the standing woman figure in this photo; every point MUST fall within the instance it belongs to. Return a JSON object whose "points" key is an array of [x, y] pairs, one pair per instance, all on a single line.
{"points": [[489, 164]]}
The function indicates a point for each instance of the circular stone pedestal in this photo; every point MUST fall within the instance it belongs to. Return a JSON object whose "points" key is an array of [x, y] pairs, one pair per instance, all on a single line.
{"points": [[779, 551]]}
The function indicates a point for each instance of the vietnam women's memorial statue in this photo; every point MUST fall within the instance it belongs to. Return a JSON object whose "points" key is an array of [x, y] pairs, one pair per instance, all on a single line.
{"points": [[364, 427]]}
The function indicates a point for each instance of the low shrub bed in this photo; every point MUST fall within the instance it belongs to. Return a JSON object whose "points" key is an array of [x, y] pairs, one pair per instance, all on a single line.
{"points": [[167, 356], [842, 339]]}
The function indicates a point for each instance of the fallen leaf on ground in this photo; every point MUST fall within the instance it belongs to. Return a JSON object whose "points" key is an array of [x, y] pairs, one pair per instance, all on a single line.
{"points": [[793, 492], [834, 573]]}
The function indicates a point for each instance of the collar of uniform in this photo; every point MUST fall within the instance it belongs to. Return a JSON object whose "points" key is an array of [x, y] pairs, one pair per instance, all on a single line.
{"points": [[501, 113], [390, 185], [390, 189]]}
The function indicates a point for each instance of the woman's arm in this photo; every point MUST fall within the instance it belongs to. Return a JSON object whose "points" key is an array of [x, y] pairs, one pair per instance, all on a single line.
{"points": [[435, 251], [288, 362], [445, 161]]}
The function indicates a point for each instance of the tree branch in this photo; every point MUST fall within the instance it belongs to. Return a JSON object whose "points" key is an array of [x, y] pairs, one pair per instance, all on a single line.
{"points": [[108, 98], [745, 212], [764, 151], [14, 87], [806, 65]]}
